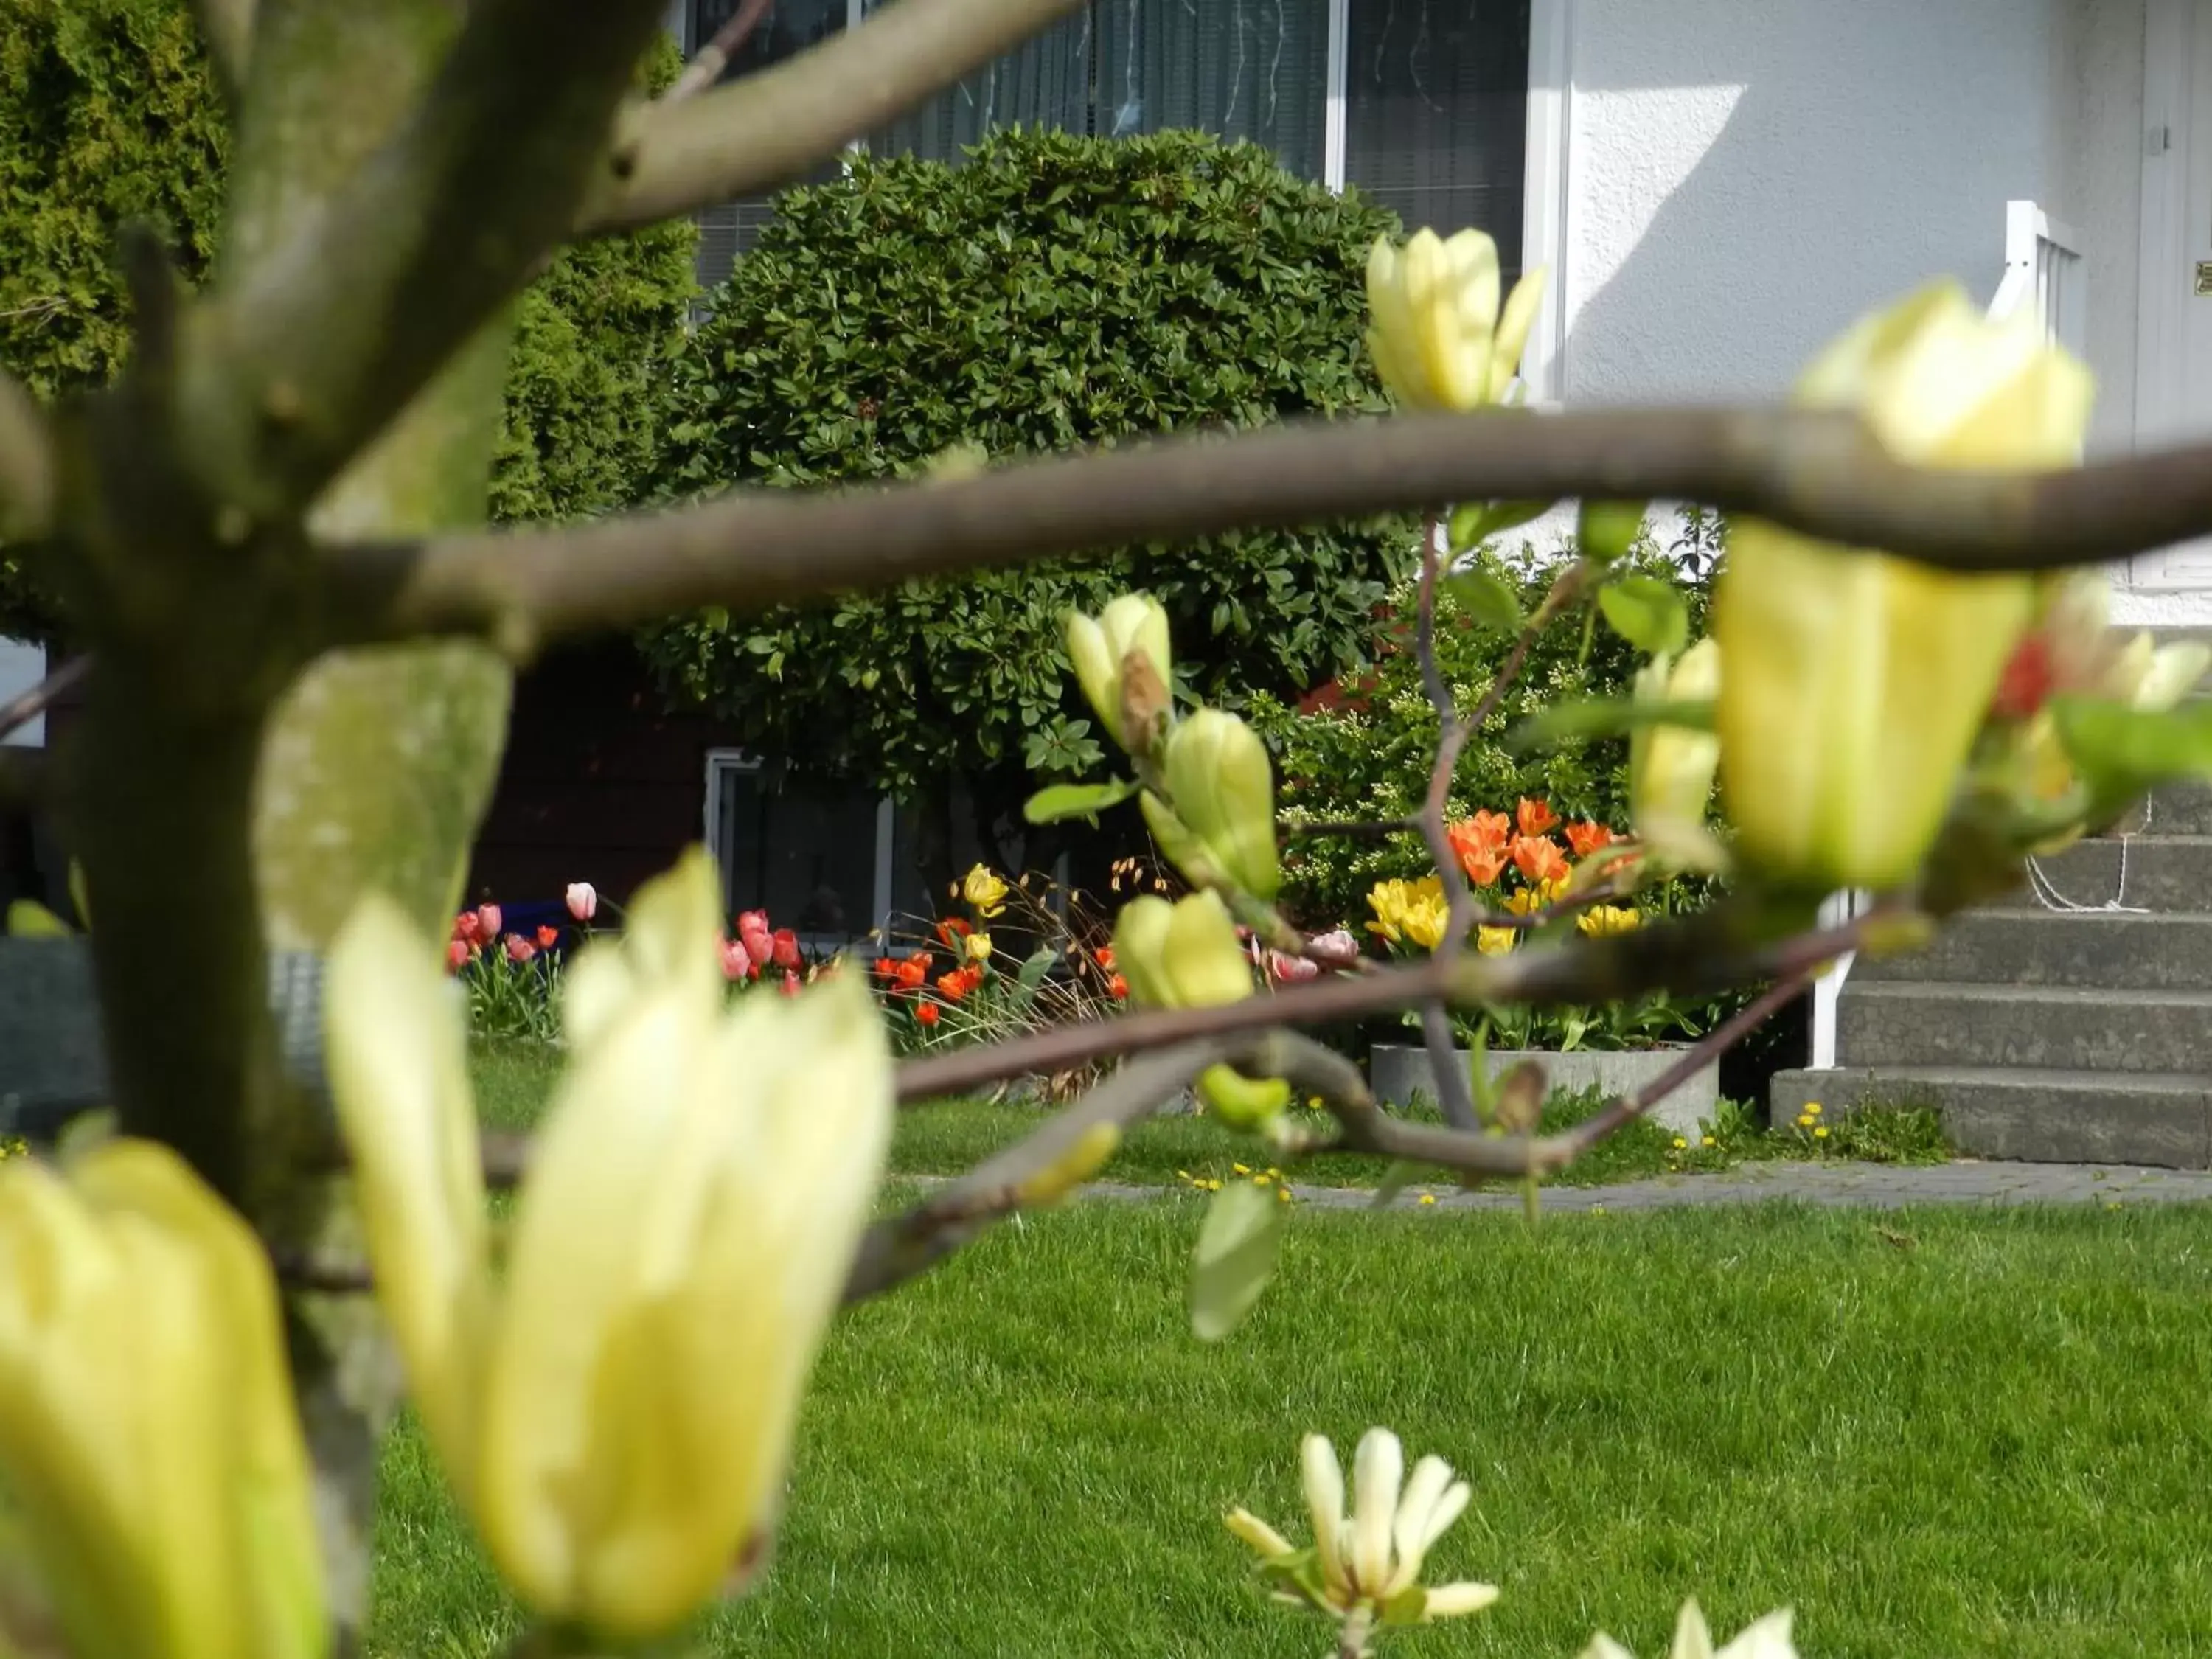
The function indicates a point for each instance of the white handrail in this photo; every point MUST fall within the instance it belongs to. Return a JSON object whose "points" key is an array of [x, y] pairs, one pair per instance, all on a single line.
{"points": [[2045, 271]]}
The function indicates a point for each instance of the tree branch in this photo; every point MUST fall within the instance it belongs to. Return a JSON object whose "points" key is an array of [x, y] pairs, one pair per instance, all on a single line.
{"points": [[29, 705], [707, 63], [302, 354], [226, 26], [1732, 943], [771, 129], [1818, 472], [896, 1249], [26, 465]]}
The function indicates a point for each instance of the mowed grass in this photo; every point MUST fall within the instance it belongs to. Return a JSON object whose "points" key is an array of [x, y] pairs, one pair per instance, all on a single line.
{"points": [[1957, 1432], [944, 1138]]}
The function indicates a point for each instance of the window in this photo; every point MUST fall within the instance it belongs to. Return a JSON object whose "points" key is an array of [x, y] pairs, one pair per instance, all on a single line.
{"points": [[1436, 113], [1433, 95], [826, 860]]}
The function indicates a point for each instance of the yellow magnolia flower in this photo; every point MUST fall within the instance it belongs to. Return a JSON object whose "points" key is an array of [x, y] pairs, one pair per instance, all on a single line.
{"points": [[616, 1410], [1438, 338], [1099, 648], [985, 891], [1369, 1565], [1604, 920], [1496, 941], [1670, 768], [1415, 912], [1220, 828], [1769, 1639], [1185, 955], [1855, 683], [979, 947], [148, 1436]]}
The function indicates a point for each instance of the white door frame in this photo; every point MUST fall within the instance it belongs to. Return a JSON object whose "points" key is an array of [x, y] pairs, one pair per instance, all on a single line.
{"points": [[2164, 250], [1546, 187]]}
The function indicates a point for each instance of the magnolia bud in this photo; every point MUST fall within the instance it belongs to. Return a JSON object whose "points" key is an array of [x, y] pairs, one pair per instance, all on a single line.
{"points": [[1222, 786], [1100, 650], [1186, 955]]}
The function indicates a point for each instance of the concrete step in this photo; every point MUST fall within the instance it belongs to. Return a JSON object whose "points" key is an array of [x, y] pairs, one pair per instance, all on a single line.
{"points": [[2163, 1119], [2114, 950], [1890, 1023], [2150, 873], [2180, 809]]}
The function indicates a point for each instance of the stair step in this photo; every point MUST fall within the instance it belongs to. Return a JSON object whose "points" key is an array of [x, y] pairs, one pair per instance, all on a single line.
{"points": [[2108, 949], [2163, 1119], [2166, 873], [2178, 809], [1885, 1024]]}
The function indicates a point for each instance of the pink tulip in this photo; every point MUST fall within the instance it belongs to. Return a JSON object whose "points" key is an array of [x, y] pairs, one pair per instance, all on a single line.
{"points": [[736, 963], [1335, 950], [519, 949], [783, 948], [467, 928], [790, 985], [583, 900], [759, 941], [488, 923], [457, 955], [1285, 968]]}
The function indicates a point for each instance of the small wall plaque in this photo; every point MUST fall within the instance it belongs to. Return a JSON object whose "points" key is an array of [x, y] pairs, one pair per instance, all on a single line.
{"points": [[2204, 279]]}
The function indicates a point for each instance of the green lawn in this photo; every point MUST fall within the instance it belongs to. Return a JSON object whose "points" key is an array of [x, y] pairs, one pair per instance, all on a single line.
{"points": [[947, 1137], [1934, 1433]]}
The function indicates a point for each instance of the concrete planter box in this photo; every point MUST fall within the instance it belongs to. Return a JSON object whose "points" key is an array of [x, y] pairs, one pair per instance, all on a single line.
{"points": [[1397, 1073]]}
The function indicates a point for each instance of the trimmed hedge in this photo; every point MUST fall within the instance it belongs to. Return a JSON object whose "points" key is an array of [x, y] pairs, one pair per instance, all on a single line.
{"points": [[1053, 291]]}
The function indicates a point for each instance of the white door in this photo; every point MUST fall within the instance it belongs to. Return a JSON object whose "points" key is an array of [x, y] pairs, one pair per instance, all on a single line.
{"points": [[2174, 361]]}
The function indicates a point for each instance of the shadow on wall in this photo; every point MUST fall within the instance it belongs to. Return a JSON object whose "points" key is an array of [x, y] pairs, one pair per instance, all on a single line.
{"points": [[1748, 176]]}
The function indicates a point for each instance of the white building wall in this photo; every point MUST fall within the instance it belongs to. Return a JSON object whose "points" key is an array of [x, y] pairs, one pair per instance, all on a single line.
{"points": [[1748, 176]]}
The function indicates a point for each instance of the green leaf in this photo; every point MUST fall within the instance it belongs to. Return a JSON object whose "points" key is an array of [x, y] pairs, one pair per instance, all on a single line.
{"points": [[1648, 611], [1603, 717], [1473, 522], [1076, 800], [1605, 530], [1036, 968], [1234, 1257], [29, 919], [2121, 752], [1487, 598]]}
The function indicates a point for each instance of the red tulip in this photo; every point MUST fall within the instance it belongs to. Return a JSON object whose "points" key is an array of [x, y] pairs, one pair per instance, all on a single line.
{"points": [[548, 937], [466, 928], [583, 900], [488, 923], [736, 963], [790, 985], [926, 1013], [457, 955], [753, 930], [783, 948], [519, 949], [1119, 987]]}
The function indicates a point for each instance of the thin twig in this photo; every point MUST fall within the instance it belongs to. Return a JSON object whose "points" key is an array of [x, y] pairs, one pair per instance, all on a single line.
{"points": [[26, 464], [707, 63], [896, 1249], [768, 129], [1455, 1089], [28, 706], [1724, 946], [1816, 471]]}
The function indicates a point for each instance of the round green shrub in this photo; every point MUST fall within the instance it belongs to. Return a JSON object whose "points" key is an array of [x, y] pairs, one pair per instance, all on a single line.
{"points": [[1053, 291]]}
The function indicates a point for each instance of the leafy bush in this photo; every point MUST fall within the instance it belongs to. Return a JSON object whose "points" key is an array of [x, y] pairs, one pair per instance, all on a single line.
{"points": [[107, 114], [1053, 291], [1368, 761]]}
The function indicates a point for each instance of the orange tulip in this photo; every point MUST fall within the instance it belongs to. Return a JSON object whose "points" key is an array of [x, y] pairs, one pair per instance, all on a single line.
{"points": [[1539, 862], [953, 985], [1119, 987], [927, 1013], [1491, 829], [1587, 838], [1534, 816]]}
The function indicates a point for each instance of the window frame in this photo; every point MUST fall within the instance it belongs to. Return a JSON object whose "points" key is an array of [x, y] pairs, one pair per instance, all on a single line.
{"points": [[720, 762]]}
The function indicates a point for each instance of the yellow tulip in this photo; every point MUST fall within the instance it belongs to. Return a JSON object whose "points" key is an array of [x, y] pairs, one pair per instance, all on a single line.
{"points": [[1670, 768], [148, 1434], [1438, 338], [1221, 786], [1605, 921], [1185, 955], [1100, 647], [984, 889], [979, 947], [1855, 683], [617, 1413], [1496, 941], [1415, 912]]}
